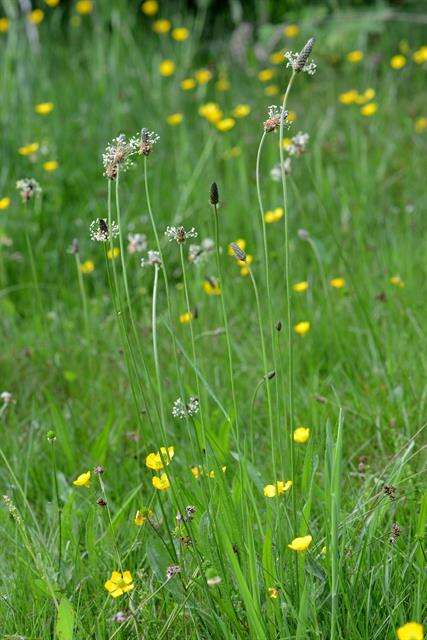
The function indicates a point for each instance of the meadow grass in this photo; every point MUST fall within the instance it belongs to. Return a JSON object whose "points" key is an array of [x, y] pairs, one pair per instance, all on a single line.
{"points": [[278, 434]]}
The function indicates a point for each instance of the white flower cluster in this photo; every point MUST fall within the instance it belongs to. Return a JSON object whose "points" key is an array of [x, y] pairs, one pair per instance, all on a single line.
{"points": [[298, 144], [28, 188], [180, 234], [293, 58], [153, 258], [200, 252], [99, 231], [182, 410], [137, 242]]}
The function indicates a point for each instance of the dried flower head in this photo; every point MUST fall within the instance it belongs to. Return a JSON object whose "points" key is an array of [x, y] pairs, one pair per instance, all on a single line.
{"points": [[299, 61], [137, 242], [28, 188], [276, 115], [395, 533], [181, 409], [153, 258], [147, 140], [180, 234], [239, 254], [99, 231], [187, 516], [214, 194], [172, 570], [118, 155], [298, 144]]}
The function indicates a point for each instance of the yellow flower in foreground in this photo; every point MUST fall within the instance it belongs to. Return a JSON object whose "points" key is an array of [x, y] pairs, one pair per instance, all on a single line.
{"points": [[241, 110], [271, 90], [52, 3], [272, 490], [186, 317], [4, 25], [302, 328], [180, 34], [174, 119], [113, 253], [83, 480], [29, 149], [300, 287], [161, 26], [211, 287], [420, 125], [142, 516], [4, 203], [337, 283], [411, 631], [36, 16], [84, 7], [273, 592], [301, 435], [187, 84], [119, 583], [397, 281], [160, 483], [292, 116], [291, 30], [167, 68], [211, 111], [50, 165], [240, 243], [197, 472], [273, 216], [397, 62], [150, 7], [154, 460], [369, 109], [348, 97], [355, 56], [300, 544], [226, 124], [87, 267], [44, 108], [277, 57], [420, 55], [366, 96], [266, 74], [203, 76]]}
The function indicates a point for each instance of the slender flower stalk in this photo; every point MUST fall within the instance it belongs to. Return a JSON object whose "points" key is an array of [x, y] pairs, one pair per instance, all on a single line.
{"points": [[156, 353]]}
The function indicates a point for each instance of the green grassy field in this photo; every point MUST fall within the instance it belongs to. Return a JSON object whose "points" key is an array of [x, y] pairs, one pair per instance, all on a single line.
{"points": [[292, 504]]}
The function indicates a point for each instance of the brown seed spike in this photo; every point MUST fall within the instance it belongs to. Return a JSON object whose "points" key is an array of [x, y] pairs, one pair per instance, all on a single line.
{"points": [[238, 252], [303, 55], [214, 195]]}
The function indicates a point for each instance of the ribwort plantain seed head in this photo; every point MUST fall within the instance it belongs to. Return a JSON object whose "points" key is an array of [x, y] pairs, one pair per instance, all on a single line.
{"points": [[214, 194]]}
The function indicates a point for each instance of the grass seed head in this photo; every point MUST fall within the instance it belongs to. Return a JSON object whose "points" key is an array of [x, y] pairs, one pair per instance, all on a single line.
{"points": [[214, 195]]}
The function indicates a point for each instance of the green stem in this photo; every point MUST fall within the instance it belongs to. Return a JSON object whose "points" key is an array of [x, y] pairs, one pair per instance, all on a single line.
{"points": [[156, 353]]}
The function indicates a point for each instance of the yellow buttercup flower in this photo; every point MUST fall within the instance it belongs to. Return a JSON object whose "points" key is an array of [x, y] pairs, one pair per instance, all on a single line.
{"points": [[187, 84], [226, 124], [197, 472], [4, 25], [355, 56], [337, 283], [398, 62], [50, 165], [4, 203], [369, 109], [44, 108], [119, 583], [249, 259], [277, 489], [240, 243], [113, 253], [29, 149], [203, 76], [241, 110], [83, 480], [154, 460], [302, 328], [397, 281], [277, 57], [300, 287], [301, 435], [150, 7], [348, 97], [420, 55], [273, 216], [180, 34], [286, 142], [271, 90], [186, 317], [273, 592], [174, 119], [266, 74], [36, 16], [291, 30], [420, 125], [292, 116], [87, 267], [211, 287], [366, 96], [52, 3], [141, 517], [84, 7], [211, 111], [300, 544], [411, 631], [160, 483], [161, 26], [167, 68]]}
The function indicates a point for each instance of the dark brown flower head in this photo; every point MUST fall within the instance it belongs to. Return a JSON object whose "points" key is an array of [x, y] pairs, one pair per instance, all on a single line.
{"points": [[303, 55], [101, 502], [239, 254], [214, 195]]}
